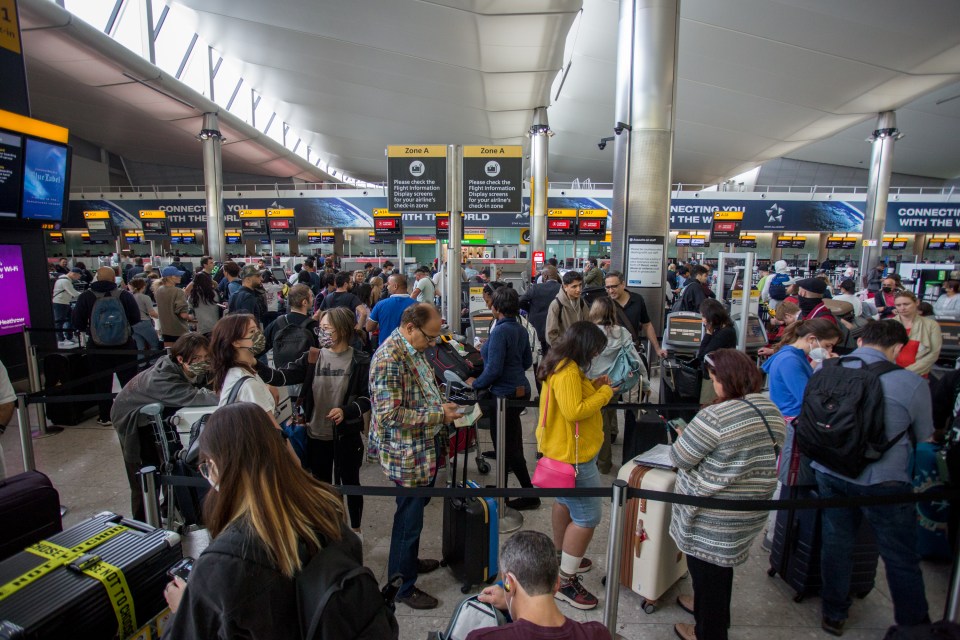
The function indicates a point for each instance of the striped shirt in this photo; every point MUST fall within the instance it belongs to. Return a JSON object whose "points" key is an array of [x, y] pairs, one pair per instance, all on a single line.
{"points": [[725, 452]]}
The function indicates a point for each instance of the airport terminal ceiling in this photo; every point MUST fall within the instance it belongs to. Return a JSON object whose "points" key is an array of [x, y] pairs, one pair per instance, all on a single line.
{"points": [[757, 80]]}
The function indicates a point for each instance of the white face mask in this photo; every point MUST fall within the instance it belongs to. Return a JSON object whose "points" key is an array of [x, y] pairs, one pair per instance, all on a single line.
{"points": [[819, 354]]}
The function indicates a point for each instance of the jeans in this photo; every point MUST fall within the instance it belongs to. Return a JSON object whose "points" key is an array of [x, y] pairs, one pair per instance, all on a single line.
{"points": [[895, 529], [61, 321], [405, 541], [145, 335], [712, 590], [339, 463]]}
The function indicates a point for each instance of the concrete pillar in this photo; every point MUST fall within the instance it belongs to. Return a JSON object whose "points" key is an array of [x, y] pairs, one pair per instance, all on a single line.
{"points": [[540, 134], [338, 242], [212, 141], [643, 146], [878, 186]]}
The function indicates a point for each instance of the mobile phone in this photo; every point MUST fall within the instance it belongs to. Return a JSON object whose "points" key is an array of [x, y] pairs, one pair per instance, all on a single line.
{"points": [[181, 569]]}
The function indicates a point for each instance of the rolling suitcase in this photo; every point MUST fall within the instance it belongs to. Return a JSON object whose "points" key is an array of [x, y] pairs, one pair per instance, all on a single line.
{"points": [[932, 517], [29, 511], [102, 578], [61, 369], [471, 534], [795, 553], [650, 563], [643, 433]]}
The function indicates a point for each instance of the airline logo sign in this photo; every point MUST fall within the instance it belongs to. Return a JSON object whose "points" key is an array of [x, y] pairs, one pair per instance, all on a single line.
{"points": [[492, 179], [417, 178], [726, 226], [387, 225]]}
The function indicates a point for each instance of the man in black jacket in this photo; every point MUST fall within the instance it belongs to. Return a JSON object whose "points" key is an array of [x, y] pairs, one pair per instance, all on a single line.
{"points": [[246, 300], [695, 291], [125, 366], [341, 296], [536, 301]]}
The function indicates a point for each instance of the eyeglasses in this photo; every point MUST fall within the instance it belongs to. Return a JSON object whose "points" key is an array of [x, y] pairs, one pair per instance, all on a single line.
{"points": [[608, 287], [204, 468], [430, 338]]}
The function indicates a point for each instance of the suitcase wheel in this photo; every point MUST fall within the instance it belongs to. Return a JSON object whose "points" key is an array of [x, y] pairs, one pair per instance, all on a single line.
{"points": [[771, 572], [649, 606], [483, 466]]}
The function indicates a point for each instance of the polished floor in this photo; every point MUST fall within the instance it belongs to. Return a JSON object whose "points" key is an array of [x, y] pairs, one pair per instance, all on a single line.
{"points": [[85, 465]]}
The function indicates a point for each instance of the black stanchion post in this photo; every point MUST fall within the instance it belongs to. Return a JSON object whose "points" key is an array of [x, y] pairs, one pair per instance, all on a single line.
{"points": [[33, 376], [26, 435], [510, 519], [614, 550], [148, 485]]}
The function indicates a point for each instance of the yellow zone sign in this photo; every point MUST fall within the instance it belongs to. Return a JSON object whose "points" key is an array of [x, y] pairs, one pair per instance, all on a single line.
{"points": [[417, 151], [728, 215], [487, 151]]}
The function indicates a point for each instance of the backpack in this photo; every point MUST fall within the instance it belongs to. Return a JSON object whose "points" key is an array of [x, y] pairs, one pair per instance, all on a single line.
{"points": [[841, 421], [778, 286], [109, 326], [290, 341], [470, 614], [338, 597], [626, 370]]}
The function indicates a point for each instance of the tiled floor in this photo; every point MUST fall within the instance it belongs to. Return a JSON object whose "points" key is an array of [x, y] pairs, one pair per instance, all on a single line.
{"points": [[85, 465]]}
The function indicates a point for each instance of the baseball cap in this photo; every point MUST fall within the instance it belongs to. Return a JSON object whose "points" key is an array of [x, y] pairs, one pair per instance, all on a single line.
{"points": [[171, 271], [76, 270], [813, 285]]}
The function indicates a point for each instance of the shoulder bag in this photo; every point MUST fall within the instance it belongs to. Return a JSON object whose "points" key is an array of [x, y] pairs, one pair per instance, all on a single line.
{"points": [[553, 474]]}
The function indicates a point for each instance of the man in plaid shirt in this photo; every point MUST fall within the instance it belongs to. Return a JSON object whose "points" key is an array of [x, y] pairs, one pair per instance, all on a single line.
{"points": [[408, 427]]}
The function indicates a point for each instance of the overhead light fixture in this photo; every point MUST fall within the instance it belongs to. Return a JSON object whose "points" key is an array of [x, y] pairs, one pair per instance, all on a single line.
{"points": [[207, 134]]}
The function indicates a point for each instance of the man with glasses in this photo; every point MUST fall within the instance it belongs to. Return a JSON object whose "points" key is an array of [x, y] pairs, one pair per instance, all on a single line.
{"points": [[408, 427], [634, 317]]}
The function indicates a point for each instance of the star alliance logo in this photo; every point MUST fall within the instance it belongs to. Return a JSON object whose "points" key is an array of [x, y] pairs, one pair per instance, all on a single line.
{"points": [[775, 213]]}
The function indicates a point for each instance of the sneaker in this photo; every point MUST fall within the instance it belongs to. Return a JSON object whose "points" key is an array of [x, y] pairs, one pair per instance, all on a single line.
{"points": [[833, 627], [427, 566], [523, 504], [585, 563], [419, 600], [104, 423], [575, 594]]}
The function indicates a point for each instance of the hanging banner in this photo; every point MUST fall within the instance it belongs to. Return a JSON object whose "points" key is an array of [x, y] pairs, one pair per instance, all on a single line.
{"points": [[645, 262], [492, 179], [417, 178]]}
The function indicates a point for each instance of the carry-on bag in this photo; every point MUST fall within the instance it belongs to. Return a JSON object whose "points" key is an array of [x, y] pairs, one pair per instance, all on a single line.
{"points": [[471, 534], [29, 511], [102, 578], [795, 553], [470, 614], [650, 562], [932, 517], [61, 369]]}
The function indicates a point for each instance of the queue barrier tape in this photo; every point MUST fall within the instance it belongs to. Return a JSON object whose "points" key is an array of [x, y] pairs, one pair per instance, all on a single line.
{"points": [[111, 577]]}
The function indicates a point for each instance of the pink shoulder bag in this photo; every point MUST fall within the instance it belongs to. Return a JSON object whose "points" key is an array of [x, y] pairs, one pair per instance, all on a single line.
{"points": [[553, 474]]}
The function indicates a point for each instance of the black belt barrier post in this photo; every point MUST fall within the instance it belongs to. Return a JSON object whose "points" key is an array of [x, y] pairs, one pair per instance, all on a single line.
{"points": [[26, 435], [614, 550], [148, 485], [33, 377], [952, 610], [510, 519]]}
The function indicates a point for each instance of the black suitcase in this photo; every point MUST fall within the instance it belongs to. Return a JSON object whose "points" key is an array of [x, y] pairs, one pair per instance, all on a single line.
{"points": [[61, 369], [29, 511], [471, 534], [62, 598], [795, 554], [643, 433]]}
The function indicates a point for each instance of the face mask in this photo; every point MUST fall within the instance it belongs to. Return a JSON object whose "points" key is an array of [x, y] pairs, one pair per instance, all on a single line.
{"points": [[808, 304], [199, 368], [324, 338], [259, 343], [819, 354]]}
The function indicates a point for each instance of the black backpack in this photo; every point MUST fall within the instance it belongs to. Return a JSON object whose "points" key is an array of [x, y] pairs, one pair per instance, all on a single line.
{"points": [[778, 287], [338, 597], [290, 341], [841, 421]]}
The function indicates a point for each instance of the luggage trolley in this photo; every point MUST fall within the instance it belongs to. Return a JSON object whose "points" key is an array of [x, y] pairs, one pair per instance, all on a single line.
{"points": [[168, 445]]}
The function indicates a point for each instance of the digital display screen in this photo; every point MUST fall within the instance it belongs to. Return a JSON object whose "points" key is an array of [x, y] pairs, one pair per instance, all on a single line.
{"points": [[188, 239], [14, 312], [849, 243], [900, 245], [698, 241], [313, 239], [443, 223], [134, 239], [86, 239], [784, 244], [385, 223], [591, 225], [11, 173], [935, 243], [176, 239], [327, 238], [281, 225], [264, 241], [233, 239], [560, 224], [254, 225], [948, 245], [728, 227], [97, 225], [156, 226], [799, 244], [683, 242], [681, 330], [55, 238], [44, 180], [950, 333], [747, 244], [834, 244]]}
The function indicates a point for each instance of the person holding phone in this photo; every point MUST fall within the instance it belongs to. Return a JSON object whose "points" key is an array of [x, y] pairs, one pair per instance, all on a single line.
{"points": [[570, 430]]}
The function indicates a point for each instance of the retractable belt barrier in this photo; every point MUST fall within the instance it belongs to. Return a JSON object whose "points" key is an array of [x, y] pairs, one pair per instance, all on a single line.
{"points": [[43, 397], [111, 577]]}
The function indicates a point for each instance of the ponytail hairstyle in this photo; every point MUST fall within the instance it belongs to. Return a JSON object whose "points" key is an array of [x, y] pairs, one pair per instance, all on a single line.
{"points": [[820, 328]]}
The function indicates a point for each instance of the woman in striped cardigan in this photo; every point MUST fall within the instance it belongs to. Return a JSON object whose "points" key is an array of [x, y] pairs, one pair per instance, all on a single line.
{"points": [[729, 451]]}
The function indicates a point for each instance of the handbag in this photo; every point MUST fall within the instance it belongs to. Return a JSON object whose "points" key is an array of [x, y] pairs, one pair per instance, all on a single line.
{"points": [[554, 474], [683, 379]]}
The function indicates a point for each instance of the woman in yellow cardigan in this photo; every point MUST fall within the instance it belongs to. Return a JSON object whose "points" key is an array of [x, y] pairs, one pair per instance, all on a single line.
{"points": [[571, 430], [922, 351]]}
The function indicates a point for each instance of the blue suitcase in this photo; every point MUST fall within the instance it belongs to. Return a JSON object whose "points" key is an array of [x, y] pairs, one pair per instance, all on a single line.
{"points": [[471, 534], [932, 517]]}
